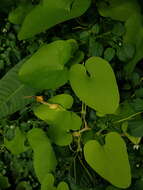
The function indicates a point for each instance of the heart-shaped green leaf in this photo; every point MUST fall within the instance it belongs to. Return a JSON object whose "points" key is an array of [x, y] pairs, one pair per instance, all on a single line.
{"points": [[60, 120], [46, 68], [44, 156], [118, 10], [110, 160], [99, 90], [51, 13], [16, 145], [48, 184]]}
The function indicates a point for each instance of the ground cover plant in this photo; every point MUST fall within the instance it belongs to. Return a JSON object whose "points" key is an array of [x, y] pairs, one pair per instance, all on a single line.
{"points": [[71, 95]]}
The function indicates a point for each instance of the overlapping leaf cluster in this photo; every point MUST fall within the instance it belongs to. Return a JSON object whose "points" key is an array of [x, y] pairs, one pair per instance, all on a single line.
{"points": [[93, 82]]}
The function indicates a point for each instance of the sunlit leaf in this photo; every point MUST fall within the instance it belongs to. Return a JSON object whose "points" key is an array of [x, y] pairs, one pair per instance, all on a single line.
{"points": [[110, 160], [47, 69], [44, 159], [97, 88], [51, 13], [60, 120]]}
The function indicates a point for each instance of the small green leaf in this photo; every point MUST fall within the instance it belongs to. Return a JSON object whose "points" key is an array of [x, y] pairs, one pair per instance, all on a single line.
{"points": [[126, 52], [44, 156], [63, 186], [46, 68], [118, 29], [109, 54], [95, 48], [16, 145], [51, 13], [99, 90], [48, 184], [110, 160], [64, 100], [95, 29], [60, 120], [23, 185]]}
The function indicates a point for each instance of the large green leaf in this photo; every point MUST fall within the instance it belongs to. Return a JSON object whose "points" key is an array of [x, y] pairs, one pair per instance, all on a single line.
{"points": [[134, 35], [99, 90], [51, 13], [46, 68], [16, 145], [48, 184], [44, 156], [13, 92], [60, 120], [118, 10], [110, 160]]}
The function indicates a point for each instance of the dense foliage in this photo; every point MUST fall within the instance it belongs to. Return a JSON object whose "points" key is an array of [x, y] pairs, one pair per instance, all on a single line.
{"points": [[71, 94]]}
